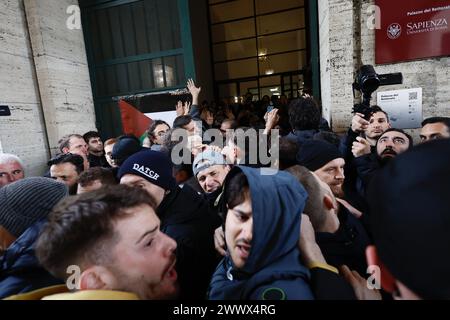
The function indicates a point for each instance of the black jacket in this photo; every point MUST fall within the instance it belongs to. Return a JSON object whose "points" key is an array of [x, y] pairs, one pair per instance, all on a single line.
{"points": [[186, 218], [354, 186], [347, 245], [96, 161]]}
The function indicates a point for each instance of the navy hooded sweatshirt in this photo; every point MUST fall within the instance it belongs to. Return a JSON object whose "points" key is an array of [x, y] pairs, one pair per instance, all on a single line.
{"points": [[273, 269], [20, 271]]}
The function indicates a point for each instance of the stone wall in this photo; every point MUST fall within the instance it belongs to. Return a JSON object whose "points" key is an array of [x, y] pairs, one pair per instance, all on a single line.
{"points": [[346, 40], [23, 133], [61, 68], [43, 78]]}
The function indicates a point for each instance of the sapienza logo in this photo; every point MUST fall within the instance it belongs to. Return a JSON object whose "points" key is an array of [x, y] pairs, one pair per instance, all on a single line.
{"points": [[394, 30], [430, 25]]}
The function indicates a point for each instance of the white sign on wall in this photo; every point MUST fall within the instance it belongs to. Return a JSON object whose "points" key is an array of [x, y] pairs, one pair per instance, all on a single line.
{"points": [[404, 107]]}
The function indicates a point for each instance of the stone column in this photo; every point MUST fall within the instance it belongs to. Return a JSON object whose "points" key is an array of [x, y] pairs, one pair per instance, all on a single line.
{"points": [[337, 44], [23, 132], [61, 68]]}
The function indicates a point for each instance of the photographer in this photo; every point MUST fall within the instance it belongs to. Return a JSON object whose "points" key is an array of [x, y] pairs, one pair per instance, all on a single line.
{"points": [[359, 141], [364, 133], [368, 124]]}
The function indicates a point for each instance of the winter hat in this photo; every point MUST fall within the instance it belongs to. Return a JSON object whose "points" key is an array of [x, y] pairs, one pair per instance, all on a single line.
{"points": [[124, 148], [153, 166], [314, 154], [26, 201], [207, 159]]}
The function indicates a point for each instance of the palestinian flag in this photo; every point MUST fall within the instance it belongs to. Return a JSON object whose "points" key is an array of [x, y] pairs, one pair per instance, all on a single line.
{"points": [[137, 112]]}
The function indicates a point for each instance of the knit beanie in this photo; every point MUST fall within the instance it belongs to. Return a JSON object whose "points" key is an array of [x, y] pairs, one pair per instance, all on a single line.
{"points": [[314, 154], [153, 166], [124, 148], [28, 200]]}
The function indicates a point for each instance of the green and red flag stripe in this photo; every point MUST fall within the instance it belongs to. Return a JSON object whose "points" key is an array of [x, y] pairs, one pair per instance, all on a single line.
{"points": [[137, 112]]}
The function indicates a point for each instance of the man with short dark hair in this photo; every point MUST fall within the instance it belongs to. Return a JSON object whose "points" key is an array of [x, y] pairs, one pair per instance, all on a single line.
{"points": [[188, 117], [370, 126], [227, 124], [113, 236], [435, 128], [96, 155], [94, 179], [184, 215], [390, 144], [66, 168], [304, 117], [360, 140], [185, 122]]}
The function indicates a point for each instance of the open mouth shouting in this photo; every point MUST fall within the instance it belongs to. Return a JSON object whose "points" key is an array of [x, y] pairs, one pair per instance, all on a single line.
{"points": [[170, 271], [243, 250]]}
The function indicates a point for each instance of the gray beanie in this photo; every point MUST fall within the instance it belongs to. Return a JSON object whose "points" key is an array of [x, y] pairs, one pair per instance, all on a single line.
{"points": [[28, 200], [207, 159]]}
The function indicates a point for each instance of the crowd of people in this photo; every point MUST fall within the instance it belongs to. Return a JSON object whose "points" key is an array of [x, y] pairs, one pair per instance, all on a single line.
{"points": [[195, 212]]}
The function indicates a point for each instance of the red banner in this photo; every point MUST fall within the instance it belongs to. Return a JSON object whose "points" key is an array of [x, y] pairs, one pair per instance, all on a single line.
{"points": [[412, 29]]}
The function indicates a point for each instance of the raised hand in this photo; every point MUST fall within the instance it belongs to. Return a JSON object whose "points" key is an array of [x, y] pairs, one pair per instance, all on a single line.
{"points": [[360, 147], [179, 108], [195, 91], [186, 107], [359, 285], [359, 123]]}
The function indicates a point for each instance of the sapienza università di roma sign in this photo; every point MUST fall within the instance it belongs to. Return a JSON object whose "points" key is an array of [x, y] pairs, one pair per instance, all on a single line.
{"points": [[412, 29]]}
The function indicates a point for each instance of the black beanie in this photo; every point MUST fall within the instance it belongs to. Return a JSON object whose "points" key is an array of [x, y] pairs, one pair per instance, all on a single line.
{"points": [[28, 200], [154, 166], [124, 148], [409, 203], [314, 154]]}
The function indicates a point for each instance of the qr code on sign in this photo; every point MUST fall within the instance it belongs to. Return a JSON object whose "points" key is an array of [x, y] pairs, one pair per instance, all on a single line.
{"points": [[413, 96]]}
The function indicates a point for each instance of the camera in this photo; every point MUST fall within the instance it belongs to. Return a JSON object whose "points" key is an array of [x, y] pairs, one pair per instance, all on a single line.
{"points": [[367, 81]]}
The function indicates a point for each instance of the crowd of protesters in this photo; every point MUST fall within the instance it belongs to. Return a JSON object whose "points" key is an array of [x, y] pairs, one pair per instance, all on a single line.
{"points": [[196, 212]]}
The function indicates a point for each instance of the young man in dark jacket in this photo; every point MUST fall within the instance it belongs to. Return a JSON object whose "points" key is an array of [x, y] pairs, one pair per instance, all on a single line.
{"points": [[184, 216], [262, 235], [265, 256], [24, 207]]}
